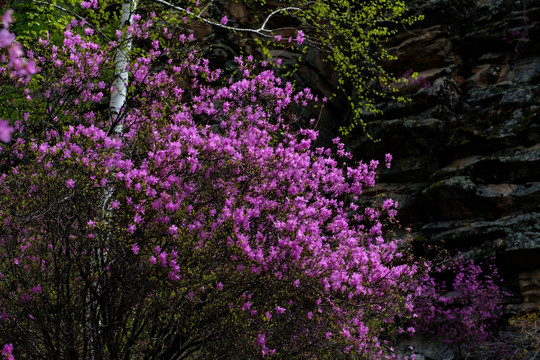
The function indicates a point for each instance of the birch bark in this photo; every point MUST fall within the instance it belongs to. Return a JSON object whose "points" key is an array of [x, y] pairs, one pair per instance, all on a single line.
{"points": [[116, 108], [120, 84]]}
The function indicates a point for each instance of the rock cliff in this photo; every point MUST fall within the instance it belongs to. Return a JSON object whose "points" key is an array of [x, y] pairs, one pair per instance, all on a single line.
{"points": [[466, 148]]}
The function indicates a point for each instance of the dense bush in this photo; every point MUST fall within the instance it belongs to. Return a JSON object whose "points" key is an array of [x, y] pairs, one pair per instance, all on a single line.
{"points": [[196, 219], [152, 208]]}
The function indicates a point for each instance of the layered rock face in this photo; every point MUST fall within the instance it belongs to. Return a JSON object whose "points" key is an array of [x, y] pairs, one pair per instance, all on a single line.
{"points": [[466, 148]]}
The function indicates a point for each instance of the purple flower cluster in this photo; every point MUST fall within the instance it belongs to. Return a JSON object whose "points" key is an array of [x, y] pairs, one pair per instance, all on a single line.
{"points": [[7, 352], [16, 65], [464, 310]]}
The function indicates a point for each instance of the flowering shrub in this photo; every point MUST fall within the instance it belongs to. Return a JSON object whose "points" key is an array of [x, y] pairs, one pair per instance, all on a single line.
{"points": [[462, 311], [192, 219]]}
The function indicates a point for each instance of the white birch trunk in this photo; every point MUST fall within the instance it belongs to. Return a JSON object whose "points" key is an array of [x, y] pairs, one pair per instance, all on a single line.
{"points": [[116, 105], [120, 84]]}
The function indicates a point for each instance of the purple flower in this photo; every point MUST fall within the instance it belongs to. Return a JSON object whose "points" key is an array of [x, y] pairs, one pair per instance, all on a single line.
{"points": [[6, 38], [6, 131], [300, 37], [7, 18], [70, 184], [173, 230], [163, 259], [388, 159], [261, 340]]}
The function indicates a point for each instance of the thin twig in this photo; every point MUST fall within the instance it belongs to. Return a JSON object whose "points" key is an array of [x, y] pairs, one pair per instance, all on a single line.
{"points": [[260, 31]]}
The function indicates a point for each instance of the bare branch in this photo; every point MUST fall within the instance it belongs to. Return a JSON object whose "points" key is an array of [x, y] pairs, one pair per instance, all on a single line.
{"points": [[262, 31]]}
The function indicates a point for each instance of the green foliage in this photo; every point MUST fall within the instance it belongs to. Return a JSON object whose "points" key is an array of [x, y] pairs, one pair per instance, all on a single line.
{"points": [[352, 35], [50, 18], [35, 18]]}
